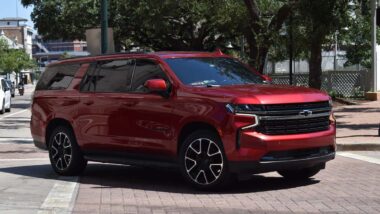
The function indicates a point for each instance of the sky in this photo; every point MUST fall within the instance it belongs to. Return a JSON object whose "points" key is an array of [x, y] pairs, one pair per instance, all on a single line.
{"points": [[8, 8]]}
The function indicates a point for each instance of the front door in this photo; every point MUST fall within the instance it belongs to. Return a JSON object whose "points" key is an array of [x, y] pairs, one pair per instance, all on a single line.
{"points": [[150, 120]]}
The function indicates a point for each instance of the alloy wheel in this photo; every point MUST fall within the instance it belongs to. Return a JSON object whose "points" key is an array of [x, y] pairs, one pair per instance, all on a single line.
{"points": [[203, 161], [61, 151]]}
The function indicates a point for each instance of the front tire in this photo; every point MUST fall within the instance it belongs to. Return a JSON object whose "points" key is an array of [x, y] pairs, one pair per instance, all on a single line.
{"points": [[65, 155], [203, 162], [300, 174]]}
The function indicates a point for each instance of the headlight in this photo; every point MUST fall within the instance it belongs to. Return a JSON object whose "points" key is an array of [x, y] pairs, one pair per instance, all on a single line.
{"points": [[245, 113], [243, 108]]}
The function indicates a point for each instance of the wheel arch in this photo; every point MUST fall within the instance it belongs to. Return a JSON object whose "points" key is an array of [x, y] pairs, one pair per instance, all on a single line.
{"points": [[191, 127], [54, 123]]}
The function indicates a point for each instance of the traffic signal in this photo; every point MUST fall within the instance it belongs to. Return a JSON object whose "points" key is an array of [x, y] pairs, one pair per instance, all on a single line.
{"points": [[378, 17]]}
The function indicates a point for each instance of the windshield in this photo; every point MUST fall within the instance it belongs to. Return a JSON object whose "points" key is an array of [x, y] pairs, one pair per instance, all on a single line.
{"points": [[212, 72]]}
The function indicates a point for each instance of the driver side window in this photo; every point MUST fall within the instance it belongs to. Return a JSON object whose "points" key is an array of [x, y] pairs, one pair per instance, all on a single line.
{"points": [[146, 69]]}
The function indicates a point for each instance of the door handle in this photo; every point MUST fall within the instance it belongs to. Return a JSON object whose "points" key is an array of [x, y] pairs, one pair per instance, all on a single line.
{"points": [[88, 102], [128, 104]]}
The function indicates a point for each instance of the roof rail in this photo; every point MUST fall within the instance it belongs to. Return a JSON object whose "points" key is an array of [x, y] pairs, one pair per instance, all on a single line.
{"points": [[108, 54]]}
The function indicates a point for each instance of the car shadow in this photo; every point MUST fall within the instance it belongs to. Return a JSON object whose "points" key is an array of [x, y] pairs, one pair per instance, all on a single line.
{"points": [[154, 179], [43, 171]]}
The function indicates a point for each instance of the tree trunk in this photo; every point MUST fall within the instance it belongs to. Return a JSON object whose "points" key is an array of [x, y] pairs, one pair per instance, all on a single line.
{"points": [[257, 55], [258, 52], [253, 50], [263, 54], [315, 62]]}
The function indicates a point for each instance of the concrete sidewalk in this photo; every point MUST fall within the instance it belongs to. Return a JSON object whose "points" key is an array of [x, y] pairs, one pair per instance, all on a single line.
{"points": [[358, 126]]}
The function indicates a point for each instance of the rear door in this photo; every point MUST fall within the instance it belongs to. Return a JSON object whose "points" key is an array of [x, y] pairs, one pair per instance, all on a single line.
{"points": [[102, 118]]}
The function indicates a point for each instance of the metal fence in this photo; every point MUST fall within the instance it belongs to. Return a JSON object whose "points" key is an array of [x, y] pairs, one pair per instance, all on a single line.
{"points": [[338, 83]]}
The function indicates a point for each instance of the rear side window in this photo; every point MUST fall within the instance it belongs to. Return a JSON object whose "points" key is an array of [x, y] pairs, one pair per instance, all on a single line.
{"points": [[57, 77], [109, 76]]}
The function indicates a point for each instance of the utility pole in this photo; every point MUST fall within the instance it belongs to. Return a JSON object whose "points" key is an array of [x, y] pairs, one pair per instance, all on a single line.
{"points": [[373, 85], [290, 49], [104, 25], [336, 51]]}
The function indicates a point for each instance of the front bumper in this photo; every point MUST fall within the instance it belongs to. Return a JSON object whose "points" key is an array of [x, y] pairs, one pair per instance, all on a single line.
{"points": [[252, 167], [253, 145]]}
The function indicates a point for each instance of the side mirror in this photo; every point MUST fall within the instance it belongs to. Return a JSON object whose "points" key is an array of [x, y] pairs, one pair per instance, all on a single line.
{"points": [[267, 79], [156, 85]]}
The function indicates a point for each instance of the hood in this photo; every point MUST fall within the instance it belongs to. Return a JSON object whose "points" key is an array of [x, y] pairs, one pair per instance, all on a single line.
{"points": [[262, 94]]}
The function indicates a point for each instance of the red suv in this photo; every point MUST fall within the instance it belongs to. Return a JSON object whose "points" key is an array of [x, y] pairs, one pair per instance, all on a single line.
{"points": [[206, 113]]}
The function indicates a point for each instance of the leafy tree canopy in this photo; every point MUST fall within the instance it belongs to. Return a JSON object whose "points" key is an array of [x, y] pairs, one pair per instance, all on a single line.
{"points": [[208, 24], [156, 24], [13, 59]]}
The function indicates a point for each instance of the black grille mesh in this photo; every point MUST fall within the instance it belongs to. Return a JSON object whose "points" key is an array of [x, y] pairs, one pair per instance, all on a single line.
{"points": [[274, 126]]}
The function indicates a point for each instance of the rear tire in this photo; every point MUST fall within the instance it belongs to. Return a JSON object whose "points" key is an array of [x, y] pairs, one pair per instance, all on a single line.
{"points": [[202, 161], [300, 174], [65, 156]]}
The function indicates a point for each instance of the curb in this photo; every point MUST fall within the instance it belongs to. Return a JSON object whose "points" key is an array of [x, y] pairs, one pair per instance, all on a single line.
{"points": [[358, 147]]}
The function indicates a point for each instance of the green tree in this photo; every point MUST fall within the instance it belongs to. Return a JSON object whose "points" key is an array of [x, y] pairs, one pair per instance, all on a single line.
{"points": [[266, 19], [320, 20], [153, 24], [356, 40], [203, 25], [12, 60]]}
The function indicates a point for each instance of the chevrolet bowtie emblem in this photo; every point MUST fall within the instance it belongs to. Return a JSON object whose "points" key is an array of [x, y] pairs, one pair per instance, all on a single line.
{"points": [[306, 113]]}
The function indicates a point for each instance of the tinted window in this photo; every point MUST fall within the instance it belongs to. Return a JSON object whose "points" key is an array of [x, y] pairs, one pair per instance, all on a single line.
{"points": [[212, 71], [89, 80], [145, 70], [109, 76], [57, 77]]}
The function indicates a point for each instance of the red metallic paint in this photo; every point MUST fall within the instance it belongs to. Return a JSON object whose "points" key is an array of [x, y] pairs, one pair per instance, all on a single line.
{"points": [[156, 85], [151, 123]]}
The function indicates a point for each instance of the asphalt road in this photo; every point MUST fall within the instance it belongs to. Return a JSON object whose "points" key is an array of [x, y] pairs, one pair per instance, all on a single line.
{"points": [[349, 184]]}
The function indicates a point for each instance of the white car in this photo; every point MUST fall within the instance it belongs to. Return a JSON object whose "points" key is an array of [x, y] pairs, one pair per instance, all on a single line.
{"points": [[5, 96]]}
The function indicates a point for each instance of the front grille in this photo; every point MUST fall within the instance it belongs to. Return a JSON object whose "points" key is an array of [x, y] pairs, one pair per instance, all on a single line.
{"points": [[283, 119], [293, 126]]}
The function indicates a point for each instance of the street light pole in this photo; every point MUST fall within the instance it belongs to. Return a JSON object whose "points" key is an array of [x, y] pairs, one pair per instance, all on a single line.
{"points": [[104, 25], [373, 85], [336, 51], [291, 49]]}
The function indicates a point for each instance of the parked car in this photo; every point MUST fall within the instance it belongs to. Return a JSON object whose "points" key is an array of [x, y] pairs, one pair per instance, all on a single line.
{"points": [[206, 113], [5, 97], [12, 87]]}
